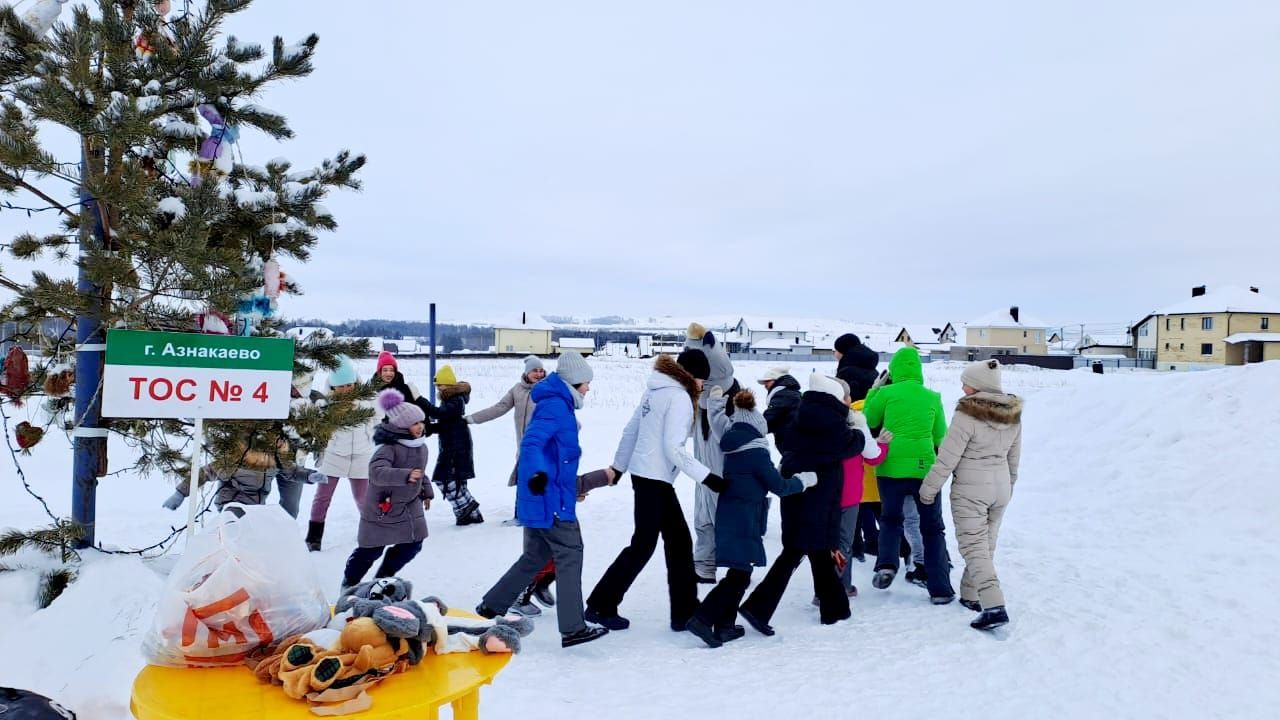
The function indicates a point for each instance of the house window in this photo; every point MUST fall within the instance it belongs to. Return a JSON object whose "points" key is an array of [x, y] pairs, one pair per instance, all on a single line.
{"points": [[1182, 323], [1206, 323], [1166, 323], [1039, 335], [982, 333], [1206, 348], [1024, 333], [1166, 346], [1142, 331], [1266, 323], [1182, 346], [1024, 349]]}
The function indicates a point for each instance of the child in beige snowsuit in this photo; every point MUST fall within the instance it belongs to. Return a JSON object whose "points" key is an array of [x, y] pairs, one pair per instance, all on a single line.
{"points": [[982, 449]]}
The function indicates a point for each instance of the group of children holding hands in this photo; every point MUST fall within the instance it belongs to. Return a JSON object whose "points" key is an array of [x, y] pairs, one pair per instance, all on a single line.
{"points": [[829, 448]]}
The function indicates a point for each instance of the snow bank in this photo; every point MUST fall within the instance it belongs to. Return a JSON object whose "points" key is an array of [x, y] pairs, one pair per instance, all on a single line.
{"points": [[1140, 557]]}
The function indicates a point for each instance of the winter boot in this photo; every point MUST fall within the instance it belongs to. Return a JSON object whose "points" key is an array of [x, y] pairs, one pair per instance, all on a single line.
{"points": [[884, 578], [756, 623], [542, 593], [704, 580], [486, 613], [526, 608], [612, 622], [315, 532], [919, 576], [703, 631], [729, 634], [584, 635], [990, 619], [470, 514], [973, 605], [943, 599]]}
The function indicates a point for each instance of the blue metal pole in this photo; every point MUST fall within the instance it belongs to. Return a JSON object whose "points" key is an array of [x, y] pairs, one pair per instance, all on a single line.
{"points": [[90, 442], [431, 331]]}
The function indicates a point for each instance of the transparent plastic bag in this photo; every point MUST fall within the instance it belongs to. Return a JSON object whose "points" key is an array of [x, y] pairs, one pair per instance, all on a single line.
{"points": [[244, 582]]}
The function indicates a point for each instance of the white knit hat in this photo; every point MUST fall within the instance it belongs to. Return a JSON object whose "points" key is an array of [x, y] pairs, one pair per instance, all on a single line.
{"points": [[983, 376], [821, 383], [531, 363], [774, 373]]}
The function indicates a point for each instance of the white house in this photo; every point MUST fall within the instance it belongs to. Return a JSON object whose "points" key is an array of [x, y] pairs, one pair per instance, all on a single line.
{"points": [[781, 346], [582, 346], [1108, 344]]}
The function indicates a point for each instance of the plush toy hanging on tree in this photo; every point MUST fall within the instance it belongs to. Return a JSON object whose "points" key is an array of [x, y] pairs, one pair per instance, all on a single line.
{"points": [[215, 151], [262, 303], [27, 435], [58, 381], [212, 322], [143, 46], [15, 375]]}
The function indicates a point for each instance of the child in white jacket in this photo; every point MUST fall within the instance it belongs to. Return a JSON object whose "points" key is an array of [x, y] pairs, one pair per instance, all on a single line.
{"points": [[346, 456], [653, 449]]}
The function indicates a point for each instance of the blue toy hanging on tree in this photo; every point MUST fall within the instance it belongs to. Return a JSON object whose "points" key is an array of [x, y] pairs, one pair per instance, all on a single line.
{"points": [[261, 303]]}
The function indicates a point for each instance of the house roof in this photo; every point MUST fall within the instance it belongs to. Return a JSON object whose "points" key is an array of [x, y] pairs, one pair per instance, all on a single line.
{"points": [[774, 344], [532, 321], [921, 334], [1253, 337], [1225, 299], [577, 343], [1002, 319]]}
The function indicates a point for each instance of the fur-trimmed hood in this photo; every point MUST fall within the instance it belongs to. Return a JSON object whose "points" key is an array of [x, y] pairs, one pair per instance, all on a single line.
{"points": [[448, 391], [995, 408], [666, 365]]}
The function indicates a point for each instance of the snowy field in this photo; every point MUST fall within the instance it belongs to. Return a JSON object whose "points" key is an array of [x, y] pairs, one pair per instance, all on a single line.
{"points": [[1140, 557]]}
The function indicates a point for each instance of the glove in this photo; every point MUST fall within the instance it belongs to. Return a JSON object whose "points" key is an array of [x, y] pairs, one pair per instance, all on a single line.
{"points": [[538, 483], [617, 475], [840, 560], [716, 392], [317, 478], [716, 483], [881, 381], [470, 420], [928, 499], [808, 478], [175, 501]]}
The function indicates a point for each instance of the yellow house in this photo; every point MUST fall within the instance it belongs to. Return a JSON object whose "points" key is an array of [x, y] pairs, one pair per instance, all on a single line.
{"points": [[1230, 326], [1011, 330], [528, 335]]}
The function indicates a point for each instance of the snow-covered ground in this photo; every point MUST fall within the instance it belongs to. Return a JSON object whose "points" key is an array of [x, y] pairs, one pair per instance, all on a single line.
{"points": [[1140, 557]]}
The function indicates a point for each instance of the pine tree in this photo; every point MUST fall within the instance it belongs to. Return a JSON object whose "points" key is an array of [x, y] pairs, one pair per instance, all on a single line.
{"points": [[184, 235], [56, 541]]}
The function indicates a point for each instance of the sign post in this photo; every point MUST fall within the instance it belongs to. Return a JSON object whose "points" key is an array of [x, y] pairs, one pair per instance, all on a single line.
{"points": [[204, 377]]}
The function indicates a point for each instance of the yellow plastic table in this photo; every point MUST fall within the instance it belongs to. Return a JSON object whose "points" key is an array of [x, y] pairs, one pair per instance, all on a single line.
{"points": [[233, 693]]}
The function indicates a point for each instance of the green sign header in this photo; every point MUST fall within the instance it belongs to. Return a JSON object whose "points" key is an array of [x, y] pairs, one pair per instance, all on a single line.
{"points": [[193, 350]]}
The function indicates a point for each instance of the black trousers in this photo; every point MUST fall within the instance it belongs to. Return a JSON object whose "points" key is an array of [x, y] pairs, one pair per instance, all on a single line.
{"points": [[719, 608], [657, 514], [833, 602], [866, 535], [393, 562]]}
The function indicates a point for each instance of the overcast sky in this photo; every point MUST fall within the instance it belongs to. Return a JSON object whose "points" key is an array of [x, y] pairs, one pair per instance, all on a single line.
{"points": [[923, 161]]}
